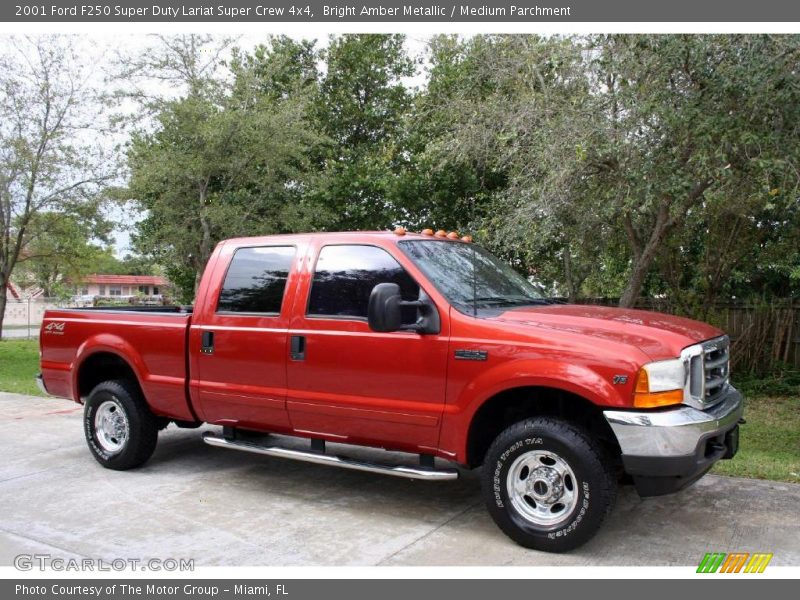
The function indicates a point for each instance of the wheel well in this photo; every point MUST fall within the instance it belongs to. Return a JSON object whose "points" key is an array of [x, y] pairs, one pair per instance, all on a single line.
{"points": [[511, 406], [103, 366]]}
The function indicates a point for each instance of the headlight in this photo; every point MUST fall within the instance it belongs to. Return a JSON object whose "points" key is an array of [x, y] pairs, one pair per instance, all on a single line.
{"points": [[660, 383]]}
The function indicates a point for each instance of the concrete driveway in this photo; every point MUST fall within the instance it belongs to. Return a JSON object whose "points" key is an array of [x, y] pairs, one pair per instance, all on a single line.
{"points": [[221, 507]]}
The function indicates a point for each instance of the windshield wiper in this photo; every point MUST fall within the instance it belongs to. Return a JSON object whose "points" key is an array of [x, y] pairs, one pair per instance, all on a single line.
{"points": [[508, 301]]}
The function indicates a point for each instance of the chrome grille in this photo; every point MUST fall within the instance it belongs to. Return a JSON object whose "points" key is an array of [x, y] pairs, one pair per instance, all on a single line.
{"points": [[707, 369], [716, 368]]}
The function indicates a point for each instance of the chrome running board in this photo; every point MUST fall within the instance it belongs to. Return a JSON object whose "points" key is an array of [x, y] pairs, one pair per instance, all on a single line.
{"points": [[334, 461]]}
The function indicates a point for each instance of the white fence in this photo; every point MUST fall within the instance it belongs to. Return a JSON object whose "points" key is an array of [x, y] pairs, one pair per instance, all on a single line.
{"points": [[24, 317]]}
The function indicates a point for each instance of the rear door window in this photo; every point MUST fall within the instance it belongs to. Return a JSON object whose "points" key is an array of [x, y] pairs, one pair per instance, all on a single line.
{"points": [[256, 280]]}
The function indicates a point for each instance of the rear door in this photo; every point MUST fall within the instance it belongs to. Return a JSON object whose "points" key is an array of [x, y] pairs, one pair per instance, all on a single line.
{"points": [[348, 382], [240, 347]]}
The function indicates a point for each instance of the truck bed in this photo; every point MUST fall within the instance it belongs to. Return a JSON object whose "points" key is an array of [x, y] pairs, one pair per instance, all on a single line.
{"points": [[153, 340], [158, 309]]}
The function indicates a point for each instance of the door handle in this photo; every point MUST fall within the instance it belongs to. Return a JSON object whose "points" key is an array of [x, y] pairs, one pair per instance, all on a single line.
{"points": [[297, 347], [207, 342]]}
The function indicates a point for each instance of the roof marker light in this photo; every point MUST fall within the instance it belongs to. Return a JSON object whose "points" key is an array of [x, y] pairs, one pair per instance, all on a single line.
{"points": [[453, 235], [400, 231], [441, 233], [427, 232]]}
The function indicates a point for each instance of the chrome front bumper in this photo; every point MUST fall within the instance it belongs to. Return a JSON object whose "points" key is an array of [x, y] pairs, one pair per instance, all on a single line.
{"points": [[665, 451], [676, 432]]}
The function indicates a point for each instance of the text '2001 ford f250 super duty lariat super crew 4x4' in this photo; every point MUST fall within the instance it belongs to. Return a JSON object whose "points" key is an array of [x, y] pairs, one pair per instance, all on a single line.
{"points": [[421, 343]]}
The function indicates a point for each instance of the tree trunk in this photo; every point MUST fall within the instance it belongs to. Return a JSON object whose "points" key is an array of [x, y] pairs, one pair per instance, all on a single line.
{"points": [[644, 256], [636, 281], [571, 293], [205, 251], [3, 301]]}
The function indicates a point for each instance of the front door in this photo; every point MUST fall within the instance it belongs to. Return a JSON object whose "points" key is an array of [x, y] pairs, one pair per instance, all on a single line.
{"points": [[348, 382]]}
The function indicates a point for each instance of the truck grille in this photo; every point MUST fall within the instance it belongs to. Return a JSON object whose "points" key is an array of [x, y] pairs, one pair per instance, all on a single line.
{"points": [[709, 370], [716, 368]]}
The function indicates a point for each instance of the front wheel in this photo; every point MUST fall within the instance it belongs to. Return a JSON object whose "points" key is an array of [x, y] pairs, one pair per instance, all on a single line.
{"points": [[547, 484], [120, 429]]}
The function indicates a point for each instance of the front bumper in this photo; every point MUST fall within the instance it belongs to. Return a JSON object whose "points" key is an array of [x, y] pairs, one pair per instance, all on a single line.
{"points": [[665, 451]]}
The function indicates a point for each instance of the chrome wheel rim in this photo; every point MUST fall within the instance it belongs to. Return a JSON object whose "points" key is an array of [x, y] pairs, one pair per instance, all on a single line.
{"points": [[542, 487], [111, 426]]}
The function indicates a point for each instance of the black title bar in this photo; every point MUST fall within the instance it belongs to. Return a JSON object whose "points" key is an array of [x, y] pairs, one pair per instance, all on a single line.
{"points": [[409, 11]]}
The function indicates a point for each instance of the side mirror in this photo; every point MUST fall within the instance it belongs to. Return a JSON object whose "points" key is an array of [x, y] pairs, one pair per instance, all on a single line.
{"points": [[384, 312]]}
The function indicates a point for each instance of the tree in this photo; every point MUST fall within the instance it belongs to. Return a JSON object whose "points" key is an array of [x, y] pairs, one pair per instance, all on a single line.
{"points": [[614, 147], [224, 160], [62, 249], [443, 187], [47, 162], [280, 69], [503, 113], [695, 116], [169, 67], [362, 108]]}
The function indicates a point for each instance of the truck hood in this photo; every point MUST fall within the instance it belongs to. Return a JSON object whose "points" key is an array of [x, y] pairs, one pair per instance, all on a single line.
{"points": [[658, 335]]}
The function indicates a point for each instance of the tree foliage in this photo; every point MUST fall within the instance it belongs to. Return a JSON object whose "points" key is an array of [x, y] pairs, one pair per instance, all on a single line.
{"points": [[62, 248], [627, 153], [615, 165], [224, 160], [362, 107]]}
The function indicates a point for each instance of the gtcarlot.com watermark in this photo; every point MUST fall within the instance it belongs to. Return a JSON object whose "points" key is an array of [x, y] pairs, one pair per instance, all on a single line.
{"points": [[47, 562]]}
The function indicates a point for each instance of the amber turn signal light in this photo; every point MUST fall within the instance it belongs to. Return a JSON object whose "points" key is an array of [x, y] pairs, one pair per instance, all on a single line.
{"points": [[656, 399]]}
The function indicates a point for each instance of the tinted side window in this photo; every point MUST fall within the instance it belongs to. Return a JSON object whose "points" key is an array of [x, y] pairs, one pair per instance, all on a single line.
{"points": [[256, 280], [345, 276]]}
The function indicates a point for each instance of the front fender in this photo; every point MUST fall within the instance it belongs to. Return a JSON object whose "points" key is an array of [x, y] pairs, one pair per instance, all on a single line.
{"points": [[573, 378]]}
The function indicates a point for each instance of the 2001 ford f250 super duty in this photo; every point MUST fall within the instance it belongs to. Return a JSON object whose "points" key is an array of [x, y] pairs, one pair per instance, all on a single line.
{"points": [[421, 343]]}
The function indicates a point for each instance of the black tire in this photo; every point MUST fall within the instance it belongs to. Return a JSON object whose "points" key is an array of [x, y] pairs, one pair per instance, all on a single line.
{"points": [[137, 434], [587, 503]]}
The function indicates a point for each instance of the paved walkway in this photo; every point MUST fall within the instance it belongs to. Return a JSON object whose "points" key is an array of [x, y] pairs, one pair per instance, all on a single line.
{"points": [[227, 508]]}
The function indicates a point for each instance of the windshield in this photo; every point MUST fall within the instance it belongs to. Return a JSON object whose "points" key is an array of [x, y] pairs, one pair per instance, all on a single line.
{"points": [[469, 277]]}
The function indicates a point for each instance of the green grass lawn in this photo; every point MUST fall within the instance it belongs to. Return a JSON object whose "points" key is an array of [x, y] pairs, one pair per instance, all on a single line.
{"points": [[769, 443], [769, 446], [19, 364]]}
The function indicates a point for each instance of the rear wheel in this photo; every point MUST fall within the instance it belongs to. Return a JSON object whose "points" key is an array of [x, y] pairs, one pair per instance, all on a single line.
{"points": [[547, 484], [120, 429]]}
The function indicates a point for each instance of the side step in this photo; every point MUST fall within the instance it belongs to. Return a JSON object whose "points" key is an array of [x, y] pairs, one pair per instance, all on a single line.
{"points": [[336, 461]]}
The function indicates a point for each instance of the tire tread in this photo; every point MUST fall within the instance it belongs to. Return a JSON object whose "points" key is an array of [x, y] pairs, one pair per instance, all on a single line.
{"points": [[575, 437], [144, 425]]}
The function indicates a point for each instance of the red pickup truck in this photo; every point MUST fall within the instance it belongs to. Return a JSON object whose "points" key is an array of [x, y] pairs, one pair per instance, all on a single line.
{"points": [[420, 343]]}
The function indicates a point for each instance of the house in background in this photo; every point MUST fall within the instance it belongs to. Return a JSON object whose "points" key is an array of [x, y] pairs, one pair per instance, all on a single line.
{"points": [[122, 286]]}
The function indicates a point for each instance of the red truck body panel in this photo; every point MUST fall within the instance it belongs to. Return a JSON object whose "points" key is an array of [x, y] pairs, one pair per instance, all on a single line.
{"points": [[398, 390], [154, 345]]}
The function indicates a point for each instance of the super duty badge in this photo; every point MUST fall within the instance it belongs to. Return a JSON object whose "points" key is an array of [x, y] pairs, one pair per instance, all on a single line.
{"points": [[471, 355]]}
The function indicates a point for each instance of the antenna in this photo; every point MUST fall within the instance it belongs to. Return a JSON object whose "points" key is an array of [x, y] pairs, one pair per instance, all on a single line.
{"points": [[474, 283]]}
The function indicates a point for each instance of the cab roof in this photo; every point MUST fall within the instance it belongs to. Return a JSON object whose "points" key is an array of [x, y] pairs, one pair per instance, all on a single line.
{"points": [[348, 236]]}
